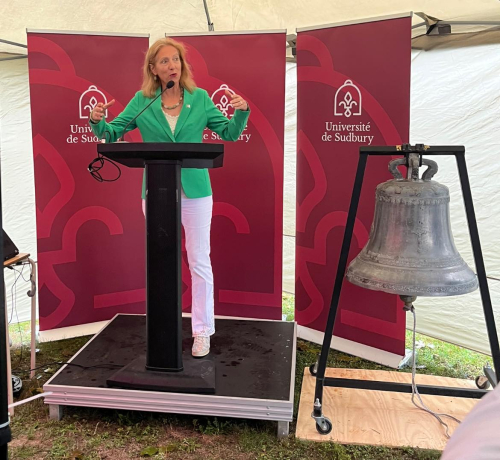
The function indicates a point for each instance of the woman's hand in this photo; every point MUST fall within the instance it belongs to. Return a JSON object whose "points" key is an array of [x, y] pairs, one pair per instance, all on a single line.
{"points": [[98, 113], [237, 101]]}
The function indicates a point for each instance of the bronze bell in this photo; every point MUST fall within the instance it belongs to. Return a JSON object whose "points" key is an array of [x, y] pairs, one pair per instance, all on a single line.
{"points": [[411, 251]]}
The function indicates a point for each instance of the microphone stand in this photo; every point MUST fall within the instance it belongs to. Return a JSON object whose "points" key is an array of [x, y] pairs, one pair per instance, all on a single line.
{"points": [[94, 170], [169, 85]]}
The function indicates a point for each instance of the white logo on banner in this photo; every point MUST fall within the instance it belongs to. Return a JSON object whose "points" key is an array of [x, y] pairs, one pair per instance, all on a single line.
{"points": [[351, 103], [347, 104], [221, 101], [81, 134], [89, 99]]}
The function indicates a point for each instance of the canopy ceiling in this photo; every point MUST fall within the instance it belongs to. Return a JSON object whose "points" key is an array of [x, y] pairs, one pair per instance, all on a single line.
{"points": [[157, 17]]}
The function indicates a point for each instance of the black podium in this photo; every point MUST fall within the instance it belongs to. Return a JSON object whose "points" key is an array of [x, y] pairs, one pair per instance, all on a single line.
{"points": [[163, 367]]}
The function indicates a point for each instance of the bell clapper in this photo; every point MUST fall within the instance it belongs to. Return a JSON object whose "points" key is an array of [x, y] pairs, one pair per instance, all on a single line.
{"points": [[408, 301]]}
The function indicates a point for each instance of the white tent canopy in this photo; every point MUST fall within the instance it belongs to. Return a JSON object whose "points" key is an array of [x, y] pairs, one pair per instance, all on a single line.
{"points": [[454, 101], [156, 18]]}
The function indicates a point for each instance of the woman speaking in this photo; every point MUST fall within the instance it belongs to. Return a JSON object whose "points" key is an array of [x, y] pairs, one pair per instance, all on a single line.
{"points": [[180, 115]]}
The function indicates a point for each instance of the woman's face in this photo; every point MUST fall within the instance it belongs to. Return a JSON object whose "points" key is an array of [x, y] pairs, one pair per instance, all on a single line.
{"points": [[168, 65]]}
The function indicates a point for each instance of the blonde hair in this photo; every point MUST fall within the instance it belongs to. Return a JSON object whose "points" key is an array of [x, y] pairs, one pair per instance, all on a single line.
{"points": [[149, 84]]}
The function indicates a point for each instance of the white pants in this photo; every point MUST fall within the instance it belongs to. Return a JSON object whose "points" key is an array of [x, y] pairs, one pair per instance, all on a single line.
{"points": [[196, 217]]}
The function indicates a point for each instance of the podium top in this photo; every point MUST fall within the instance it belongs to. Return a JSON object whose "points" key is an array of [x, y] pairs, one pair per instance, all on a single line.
{"points": [[190, 155]]}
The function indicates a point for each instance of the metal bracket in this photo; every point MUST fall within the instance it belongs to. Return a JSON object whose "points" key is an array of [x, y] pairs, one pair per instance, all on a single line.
{"points": [[317, 413]]}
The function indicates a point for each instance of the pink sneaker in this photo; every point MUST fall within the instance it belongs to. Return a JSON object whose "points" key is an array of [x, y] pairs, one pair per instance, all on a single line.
{"points": [[201, 346]]}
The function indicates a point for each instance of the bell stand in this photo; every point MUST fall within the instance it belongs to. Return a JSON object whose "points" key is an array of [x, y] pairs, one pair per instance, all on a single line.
{"points": [[323, 424]]}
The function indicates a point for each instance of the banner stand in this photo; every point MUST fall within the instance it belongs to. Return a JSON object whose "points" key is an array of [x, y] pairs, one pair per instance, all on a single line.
{"points": [[353, 348], [247, 223], [353, 90]]}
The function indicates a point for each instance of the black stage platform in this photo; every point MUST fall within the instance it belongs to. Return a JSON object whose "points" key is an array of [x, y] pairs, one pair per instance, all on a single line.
{"points": [[254, 371]]}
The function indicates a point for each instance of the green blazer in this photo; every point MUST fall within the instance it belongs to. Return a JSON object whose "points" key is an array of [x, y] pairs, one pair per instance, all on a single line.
{"points": [[198, 112]]}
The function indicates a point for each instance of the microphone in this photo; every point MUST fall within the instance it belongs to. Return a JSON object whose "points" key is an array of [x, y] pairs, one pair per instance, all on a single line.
{"points": [[98, 163], [169, 85]]}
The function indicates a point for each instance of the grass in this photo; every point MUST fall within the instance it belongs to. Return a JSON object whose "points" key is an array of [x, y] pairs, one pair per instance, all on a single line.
{"points": [[20, 333], [435, 357], [88, 433], [288, 308]]}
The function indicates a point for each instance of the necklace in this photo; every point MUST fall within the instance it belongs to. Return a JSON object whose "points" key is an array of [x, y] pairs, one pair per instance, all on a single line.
{"points": [[171, 107]]}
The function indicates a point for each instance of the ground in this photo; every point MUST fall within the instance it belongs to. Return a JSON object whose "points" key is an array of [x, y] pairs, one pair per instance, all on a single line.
{"points": [[111, 434]]}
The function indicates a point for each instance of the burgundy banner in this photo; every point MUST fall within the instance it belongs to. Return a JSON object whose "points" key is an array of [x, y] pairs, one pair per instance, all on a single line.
{"points": [[353, 90], [247, 223], [90, 235]]}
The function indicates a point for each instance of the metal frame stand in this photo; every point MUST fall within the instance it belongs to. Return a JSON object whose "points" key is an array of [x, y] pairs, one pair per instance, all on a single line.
{"points": [[323, 424]]}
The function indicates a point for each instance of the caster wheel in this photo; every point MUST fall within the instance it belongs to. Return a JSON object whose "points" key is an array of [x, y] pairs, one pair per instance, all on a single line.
{"points": [[325, 427], [482, 382], [313, 369]]}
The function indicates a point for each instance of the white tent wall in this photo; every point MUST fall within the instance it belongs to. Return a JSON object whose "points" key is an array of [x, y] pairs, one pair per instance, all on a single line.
{"points": [[455, 100], [471, 121], [18, 192]]}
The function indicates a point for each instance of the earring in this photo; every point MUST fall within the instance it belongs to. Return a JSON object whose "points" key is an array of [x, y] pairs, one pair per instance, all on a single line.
{"points": [[156, 78]]}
